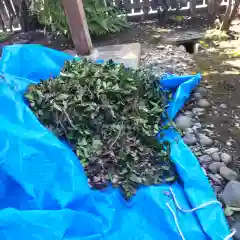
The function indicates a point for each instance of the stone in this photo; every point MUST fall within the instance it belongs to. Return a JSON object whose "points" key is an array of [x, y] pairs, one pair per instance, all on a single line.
{"points": [[210, 125], [223, 105], [189, 130], [228, 143], [215, 179], [198, 125], [228, 173], [188, 113], [204, 140], [189, 139], [226, 158], [236, 226], [183, 122], [210, 151], [231, 194], [160, 47], [203, 103], [205, 159], [198, 111], [216, 157], [201, 90], [197, 95], [214, 167], [217, 189]]}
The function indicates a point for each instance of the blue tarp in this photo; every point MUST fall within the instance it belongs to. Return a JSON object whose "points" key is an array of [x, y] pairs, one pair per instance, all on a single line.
{"points": [[44, 193]]}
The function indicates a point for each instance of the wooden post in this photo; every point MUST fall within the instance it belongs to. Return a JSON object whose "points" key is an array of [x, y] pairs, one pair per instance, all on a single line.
{"points": [[78, 25]]}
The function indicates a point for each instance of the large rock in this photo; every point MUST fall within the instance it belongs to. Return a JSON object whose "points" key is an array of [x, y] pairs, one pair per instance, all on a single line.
{"points": [[203, 103], [205, 140], [189, 139], [228, 173], [226, 158], [231, 194], [214, 167], [183, 122]]}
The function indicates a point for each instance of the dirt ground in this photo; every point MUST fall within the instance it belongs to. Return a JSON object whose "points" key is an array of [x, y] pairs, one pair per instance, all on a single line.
{"points": [[220, 67]]}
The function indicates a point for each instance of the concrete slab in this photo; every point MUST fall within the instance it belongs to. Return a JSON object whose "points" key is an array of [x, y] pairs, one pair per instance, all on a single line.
{"points": [[180, 36], [128, 54]]}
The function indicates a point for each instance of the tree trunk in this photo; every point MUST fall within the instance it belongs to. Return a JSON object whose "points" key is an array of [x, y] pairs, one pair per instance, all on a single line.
{"points": [[226, 20]]}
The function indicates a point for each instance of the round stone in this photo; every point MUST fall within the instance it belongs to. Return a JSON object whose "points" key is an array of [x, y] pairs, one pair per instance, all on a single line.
{"points": [[215, 166], [205, 140], [188, 113], [183, 122], [198, 125], [197, 95], [226, 158], [205, 159], [198, 111], [189, 130], [210, 151], [216, 157], [231, 194], [223, 105], [203, 103], [201, 90], [189, 139], [228, 173]]}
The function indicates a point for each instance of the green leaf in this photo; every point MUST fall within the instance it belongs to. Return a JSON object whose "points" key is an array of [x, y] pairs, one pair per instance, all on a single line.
{"points": [[62, 96], [135, 179]]}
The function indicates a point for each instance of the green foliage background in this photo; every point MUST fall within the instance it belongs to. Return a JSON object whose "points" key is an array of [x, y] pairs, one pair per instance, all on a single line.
{"points": [[102, 19]]}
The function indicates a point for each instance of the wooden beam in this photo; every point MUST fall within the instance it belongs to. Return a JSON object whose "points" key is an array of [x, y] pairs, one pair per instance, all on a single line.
{"points": [[78, 25]]}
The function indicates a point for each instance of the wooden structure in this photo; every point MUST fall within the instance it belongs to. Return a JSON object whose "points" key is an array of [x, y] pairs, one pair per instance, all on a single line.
{"points": [[134, 8], [78, 26]]}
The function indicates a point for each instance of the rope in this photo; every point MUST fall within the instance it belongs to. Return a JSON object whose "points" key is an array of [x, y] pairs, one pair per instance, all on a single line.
{"points": [[176, 221], [192, 210], [231, 234]]}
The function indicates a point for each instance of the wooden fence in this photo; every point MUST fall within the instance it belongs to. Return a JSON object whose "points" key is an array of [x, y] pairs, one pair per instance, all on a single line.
{"points": [[6, 20], [136, 8]]}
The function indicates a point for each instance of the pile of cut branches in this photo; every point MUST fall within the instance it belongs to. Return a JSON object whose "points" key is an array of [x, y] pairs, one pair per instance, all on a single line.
{"points": [[109, 115]]}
